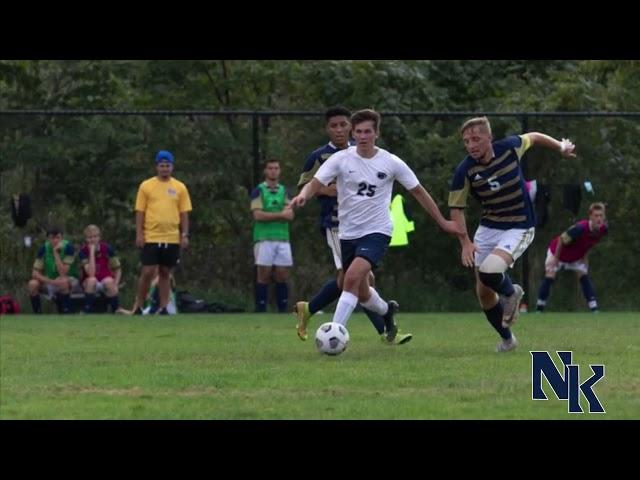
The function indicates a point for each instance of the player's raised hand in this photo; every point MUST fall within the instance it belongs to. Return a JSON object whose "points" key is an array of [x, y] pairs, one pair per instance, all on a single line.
{"points": [[567, 148]]}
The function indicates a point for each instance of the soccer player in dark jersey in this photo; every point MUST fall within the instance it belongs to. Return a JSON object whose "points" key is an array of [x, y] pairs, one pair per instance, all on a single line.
{"points": [[569, 251], [491, 173], [338, 128]]}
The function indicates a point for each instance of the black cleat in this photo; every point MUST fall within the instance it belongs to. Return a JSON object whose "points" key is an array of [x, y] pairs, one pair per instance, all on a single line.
{"points": [[390, 326]]}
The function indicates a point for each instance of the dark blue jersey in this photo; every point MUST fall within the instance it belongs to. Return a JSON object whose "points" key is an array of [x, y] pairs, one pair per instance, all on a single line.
{"points": [[328, 205], [499, 186]]}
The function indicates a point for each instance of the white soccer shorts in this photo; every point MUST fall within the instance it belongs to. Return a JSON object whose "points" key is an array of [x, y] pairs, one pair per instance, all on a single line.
{"points": [[268, 253], [334, 245], [579, 266], [514, 241]]}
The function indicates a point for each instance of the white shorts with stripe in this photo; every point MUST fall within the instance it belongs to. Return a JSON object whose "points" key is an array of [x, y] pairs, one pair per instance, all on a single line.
{"points": [[579, 266], [334, 245], [514, 241], [268, 253]]}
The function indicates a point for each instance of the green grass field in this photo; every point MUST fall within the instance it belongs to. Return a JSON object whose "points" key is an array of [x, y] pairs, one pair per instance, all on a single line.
{"points": [[254, 367]]}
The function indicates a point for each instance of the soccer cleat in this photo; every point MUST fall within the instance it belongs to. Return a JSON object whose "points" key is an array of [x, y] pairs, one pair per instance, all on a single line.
{"points": [[507, 345], [137, 311], [301, 310], [391, 328], [511, 305], [400, 338], [162, 311]]}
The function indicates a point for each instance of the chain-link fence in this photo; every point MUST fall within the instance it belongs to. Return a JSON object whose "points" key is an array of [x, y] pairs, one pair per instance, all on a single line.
{"points": [[83, 167]]}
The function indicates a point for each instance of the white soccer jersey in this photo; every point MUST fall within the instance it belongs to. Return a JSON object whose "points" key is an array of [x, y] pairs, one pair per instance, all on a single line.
{"points": [[364, 189]]}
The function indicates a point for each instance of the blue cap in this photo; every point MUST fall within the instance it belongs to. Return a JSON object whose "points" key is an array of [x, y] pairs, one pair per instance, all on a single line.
{"points": [[164, 156]]}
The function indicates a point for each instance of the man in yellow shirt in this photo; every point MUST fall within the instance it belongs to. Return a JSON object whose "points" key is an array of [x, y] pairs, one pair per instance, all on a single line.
{"points": [[162, 228]]}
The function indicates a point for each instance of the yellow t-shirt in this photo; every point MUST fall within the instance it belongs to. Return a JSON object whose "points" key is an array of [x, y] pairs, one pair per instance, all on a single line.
{"points": [[162, 203]]}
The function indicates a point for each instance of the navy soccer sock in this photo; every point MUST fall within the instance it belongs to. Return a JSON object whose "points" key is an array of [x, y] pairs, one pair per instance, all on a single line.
{"points": [[328, 294], [35, 304], [588, 292], [65, 303], [262, 295], [114, 302], [498, 282], [376, 320], [282, 296], [544, 292], [89, 299], [494, 315]]}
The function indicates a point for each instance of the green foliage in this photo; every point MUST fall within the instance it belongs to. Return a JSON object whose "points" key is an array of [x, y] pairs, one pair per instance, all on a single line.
{"points": [[82, 170]]}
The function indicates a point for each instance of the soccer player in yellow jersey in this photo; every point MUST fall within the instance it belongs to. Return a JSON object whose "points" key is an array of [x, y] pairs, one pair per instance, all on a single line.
{"points": [[162, 228]]}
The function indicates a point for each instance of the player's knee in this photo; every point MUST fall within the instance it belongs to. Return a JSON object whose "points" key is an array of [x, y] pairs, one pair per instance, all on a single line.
{"points": [[493, 264], [63, 285], [148, 272], [110, 285], [282, 275], [33, 286], [351, 281], [90, 283], [164, 272]]}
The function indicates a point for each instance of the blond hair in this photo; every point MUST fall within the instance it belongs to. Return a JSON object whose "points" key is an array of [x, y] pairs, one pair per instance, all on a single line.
{"points": [[482, 122], [91, 229]]}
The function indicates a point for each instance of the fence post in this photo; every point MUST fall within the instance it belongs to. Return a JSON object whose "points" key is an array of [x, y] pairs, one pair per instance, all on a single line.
{"points": [[256, 149]]}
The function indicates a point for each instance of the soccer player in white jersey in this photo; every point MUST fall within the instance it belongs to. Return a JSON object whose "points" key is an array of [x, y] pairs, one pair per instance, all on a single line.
{"points": [[364, 177]]}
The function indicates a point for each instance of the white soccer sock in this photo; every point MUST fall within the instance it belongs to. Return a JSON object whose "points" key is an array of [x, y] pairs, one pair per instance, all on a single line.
{"points": [[375, 303], [346, 303]]}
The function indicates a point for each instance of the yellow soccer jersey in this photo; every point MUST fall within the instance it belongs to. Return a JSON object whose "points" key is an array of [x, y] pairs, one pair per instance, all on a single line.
{"points": [[162, 203]]}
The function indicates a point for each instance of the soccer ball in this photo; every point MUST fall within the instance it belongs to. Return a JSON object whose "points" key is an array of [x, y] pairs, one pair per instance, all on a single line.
{"points": [[332, 338]]}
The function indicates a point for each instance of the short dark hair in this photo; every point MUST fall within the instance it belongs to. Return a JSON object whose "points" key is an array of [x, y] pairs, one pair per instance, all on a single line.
{"points": [[336, 112], [366, 115], [53, 230], [271, 160]]}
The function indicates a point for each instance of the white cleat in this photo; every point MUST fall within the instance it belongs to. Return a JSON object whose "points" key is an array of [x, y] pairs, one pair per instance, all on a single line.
{"points": [[511, 306], [507, 345]]}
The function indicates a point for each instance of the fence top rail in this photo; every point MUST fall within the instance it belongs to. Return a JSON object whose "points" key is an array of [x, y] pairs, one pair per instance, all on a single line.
{"points": [[273, 113]]}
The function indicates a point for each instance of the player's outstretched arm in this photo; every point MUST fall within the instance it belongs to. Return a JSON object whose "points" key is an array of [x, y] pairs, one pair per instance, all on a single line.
{"points": [[564, 146], [309, 191], [427, 202]]}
